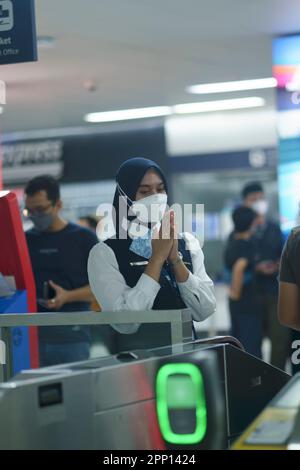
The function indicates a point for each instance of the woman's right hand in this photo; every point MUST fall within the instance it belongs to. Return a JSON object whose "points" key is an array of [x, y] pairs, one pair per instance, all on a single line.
{"points": [[163, 240]]}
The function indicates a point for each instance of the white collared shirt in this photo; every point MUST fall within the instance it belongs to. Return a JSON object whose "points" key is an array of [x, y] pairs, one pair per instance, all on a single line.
{"points": [[113, 294]]}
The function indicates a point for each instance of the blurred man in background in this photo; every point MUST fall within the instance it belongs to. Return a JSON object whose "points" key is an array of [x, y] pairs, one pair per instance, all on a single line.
{"points": [[269, 242], [246, 318], [59, 252]]}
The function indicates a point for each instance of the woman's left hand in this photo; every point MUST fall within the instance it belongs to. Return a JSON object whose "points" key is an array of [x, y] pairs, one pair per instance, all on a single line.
{"points": [[173, 256]]}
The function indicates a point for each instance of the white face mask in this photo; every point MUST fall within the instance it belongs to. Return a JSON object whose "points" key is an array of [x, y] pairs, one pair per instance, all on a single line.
{"points": [[151, 208], [261, 206]]}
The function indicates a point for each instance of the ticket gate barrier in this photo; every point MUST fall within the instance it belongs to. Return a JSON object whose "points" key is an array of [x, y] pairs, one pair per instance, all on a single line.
{"points": [[177, 322], [278, 426], [111, 403], [294, 441], [97, 404], [248, 383]]}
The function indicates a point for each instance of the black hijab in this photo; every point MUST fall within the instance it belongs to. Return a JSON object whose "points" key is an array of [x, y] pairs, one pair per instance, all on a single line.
{"points": [[128, 178]]}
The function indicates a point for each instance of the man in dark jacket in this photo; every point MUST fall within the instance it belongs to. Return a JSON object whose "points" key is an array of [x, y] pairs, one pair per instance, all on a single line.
{"points": [[269, 243]]}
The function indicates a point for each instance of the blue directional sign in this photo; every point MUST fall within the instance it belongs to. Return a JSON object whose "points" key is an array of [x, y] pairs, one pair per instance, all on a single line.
{"points": [[18, 42]]}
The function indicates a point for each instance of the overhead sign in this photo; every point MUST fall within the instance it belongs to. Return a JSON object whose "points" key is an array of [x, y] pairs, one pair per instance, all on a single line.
{"points": [[78, 156], [286, 69], [23, 161], [18, 42]]}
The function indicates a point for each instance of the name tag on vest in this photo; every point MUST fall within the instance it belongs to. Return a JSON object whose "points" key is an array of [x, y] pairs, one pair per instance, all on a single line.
{"points": [[139, 263]]}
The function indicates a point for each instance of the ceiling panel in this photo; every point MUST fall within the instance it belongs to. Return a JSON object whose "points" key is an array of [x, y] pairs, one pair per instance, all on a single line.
{"points": [[139, 53]]}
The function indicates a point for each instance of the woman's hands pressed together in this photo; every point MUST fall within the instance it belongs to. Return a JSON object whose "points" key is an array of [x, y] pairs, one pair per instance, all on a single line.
{"points": [[165, 248]]}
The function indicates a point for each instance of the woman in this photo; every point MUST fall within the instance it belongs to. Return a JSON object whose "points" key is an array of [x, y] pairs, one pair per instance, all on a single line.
{"points": [[148, 272]]}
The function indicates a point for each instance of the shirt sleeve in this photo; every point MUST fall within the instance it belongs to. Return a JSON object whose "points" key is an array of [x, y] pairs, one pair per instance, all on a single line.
{"points": [[286, 273], [198, 291], [90, 239], [111, 290], [245, 252]]}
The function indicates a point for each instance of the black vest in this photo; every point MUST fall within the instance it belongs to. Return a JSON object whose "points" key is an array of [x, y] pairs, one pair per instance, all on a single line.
{"points": [[168, 297]]}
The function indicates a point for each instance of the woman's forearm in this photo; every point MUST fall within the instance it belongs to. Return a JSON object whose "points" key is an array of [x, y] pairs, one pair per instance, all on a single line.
{"points": [[180, 270], [236, 286], [83, 294], [154, 268]]}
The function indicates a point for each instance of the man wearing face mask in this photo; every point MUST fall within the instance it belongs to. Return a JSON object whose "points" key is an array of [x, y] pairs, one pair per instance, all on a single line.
{"points": [[59, 252], [269, 243]]}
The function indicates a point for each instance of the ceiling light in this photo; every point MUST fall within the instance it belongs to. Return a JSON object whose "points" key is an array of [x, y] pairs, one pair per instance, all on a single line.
{"points": [[186, 108], [225, 87], [45, 42], [128, 114], [223, 105]]}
